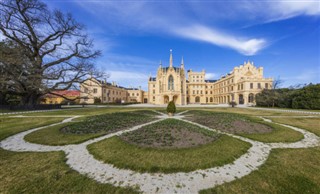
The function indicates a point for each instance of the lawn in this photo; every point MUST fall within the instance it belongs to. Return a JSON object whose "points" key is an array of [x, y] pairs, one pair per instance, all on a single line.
{"points": [[124, 155], [10, 126], [310, 124], [53, 136], [46, 173], [42, 172], [249, 111], [82, 111], [90, 127], [244, 125], [285, 171]]}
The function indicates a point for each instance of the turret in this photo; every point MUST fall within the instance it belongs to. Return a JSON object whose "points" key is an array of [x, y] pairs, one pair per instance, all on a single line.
{"points": [[171, 58], [182, 63]]}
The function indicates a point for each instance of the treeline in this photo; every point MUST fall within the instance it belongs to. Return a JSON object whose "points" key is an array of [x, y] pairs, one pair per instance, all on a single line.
{"points": [[307, 97]]}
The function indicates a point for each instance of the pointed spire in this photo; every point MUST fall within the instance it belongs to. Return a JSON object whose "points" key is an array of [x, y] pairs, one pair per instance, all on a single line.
{"points": [[182, 62], [171, 58], [160, 64]]}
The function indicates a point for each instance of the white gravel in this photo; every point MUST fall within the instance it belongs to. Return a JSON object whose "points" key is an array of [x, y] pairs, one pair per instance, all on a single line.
{"points": [[79, 159]]}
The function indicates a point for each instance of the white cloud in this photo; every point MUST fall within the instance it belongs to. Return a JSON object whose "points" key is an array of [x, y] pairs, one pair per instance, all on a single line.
{"points": [[210, 76], [129, 78], [287, 9], [305, 77], [243, 45], [180, 18]]}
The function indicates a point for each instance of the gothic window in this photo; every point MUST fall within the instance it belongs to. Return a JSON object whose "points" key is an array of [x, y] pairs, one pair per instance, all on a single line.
{"points": [[259, 85], [170, 83]]}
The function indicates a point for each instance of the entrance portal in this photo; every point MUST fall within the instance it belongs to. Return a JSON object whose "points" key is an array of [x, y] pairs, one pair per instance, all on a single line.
{"points": [[241, 100], [166, 99], [197, 99]]}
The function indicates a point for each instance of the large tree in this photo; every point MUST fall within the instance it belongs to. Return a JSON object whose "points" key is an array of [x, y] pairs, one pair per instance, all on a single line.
{"points": [[48, 50]]}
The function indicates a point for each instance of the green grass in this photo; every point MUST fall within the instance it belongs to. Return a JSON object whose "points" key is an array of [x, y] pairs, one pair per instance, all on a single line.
{"points": [[123, 155], [164, 110], [109, 122], [278, 134], [10, 126], [223, 121], [42, 172], [310, 124], [85, 111], [53, 136], [89, 127], [248, 111], [286, 171], [46, 173]]}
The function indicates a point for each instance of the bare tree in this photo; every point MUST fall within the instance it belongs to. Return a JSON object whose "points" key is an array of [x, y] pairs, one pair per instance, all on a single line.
{"points": [[276, 84], [54, 50]]}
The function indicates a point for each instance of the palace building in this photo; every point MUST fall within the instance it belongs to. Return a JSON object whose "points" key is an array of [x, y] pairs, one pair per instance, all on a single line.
{"points": [[184, 87]]}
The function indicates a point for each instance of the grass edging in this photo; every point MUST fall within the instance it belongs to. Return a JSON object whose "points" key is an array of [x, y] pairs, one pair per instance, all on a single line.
{"points": [[128, 156]]}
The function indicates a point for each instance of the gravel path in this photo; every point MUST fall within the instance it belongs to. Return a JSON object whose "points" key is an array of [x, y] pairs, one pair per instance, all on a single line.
{"points": [[79, 159]]}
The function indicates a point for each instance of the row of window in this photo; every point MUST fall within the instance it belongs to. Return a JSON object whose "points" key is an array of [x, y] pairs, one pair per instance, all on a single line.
{"points": [[132, 94]]}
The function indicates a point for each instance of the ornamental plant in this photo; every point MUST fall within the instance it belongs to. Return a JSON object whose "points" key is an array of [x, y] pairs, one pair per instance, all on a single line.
{"points": [[171, 108], [232, 104]]}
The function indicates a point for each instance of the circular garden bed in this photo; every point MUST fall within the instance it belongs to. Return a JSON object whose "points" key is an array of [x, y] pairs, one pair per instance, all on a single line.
{"points": [[250, 127], [169, 146]]}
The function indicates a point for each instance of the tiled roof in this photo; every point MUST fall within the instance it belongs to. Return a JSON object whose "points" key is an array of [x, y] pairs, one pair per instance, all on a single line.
{"points": [[65, 93]]}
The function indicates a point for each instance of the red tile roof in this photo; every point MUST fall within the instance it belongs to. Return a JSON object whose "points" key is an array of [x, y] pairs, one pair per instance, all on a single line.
{"points": [[65, 93]]}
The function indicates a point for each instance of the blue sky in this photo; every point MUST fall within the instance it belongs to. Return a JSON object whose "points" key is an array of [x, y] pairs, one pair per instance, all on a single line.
{"points": [[281, 36]]}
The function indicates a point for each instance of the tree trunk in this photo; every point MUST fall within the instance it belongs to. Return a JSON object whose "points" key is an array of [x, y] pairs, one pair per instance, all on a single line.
{"points": [[30, 99]]}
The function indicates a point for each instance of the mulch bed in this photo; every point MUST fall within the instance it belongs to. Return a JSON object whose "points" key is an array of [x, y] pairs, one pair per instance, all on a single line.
{"points": [[170, 133], [109, 123], [228, 122]]}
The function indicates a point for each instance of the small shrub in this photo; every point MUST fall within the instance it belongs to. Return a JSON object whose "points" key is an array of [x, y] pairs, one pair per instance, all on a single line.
{"points": [[97, 100], [171, 108], [232, 103]]}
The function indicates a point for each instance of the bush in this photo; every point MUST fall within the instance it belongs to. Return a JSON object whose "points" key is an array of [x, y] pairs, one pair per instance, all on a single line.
{"points": [[233, 103], [97, 100], [171, 108], [307, 97]]}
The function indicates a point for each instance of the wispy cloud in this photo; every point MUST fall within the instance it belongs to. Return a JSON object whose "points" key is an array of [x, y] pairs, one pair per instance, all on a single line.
{"points": [[306, 76], [243, 45], [129, 78], [288, 9], [211, 76], [128, 70], [149, 18], [199, 21]]}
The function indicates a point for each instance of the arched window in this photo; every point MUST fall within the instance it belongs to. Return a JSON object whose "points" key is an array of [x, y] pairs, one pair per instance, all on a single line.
{"points": [[170, 83], [251, 98]]}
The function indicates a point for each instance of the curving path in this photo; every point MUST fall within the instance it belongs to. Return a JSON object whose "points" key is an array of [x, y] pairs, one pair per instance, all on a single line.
{"points": [[79, 159]]}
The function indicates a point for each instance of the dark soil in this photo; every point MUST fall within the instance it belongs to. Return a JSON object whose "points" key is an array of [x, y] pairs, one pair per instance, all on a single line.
{"points": [[228, 122], [109, 123], [170, 133]]}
